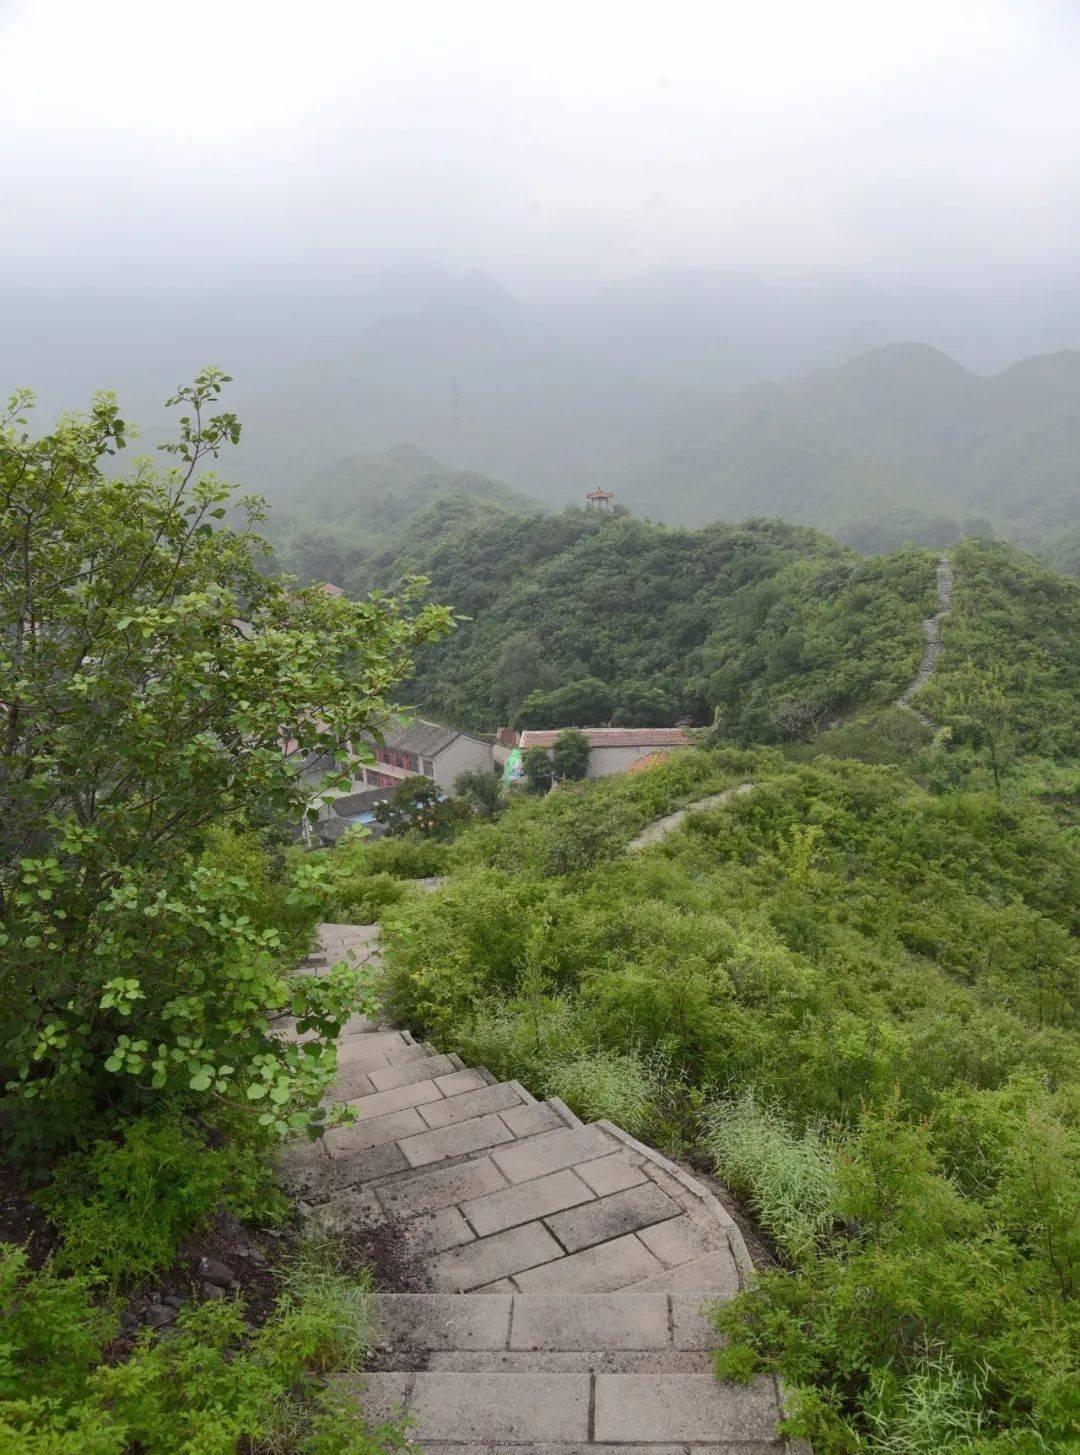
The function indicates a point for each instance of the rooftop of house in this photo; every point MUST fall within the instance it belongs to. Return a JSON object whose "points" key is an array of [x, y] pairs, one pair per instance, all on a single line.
{"points": [[422, 739], [611, 737], [327, 588], [348, 805]]}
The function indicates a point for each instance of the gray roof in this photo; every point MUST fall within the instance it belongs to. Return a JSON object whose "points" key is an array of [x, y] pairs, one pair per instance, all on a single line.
{"points": [[424, 739], [352, 803]]}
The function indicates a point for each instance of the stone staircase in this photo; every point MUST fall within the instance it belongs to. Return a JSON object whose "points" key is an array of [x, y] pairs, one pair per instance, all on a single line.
{"points": [[552, 1275]]}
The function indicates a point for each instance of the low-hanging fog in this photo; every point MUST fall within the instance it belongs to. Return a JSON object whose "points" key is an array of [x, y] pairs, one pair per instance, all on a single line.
{"points": [[544, 242]]}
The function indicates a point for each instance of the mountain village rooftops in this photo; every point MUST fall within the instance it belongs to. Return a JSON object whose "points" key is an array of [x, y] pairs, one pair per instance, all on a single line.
{"points": [[611, 737]]}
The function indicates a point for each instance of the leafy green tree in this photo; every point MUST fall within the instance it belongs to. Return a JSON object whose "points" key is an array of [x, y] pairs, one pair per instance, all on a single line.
{"points": [[982, 713], [570, 755], [537, 765], [585, 700], [154, 682], [480, 790], [417, 806]]}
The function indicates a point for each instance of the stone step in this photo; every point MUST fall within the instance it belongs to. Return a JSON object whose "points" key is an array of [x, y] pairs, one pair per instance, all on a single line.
{"points": [[405, 1111], [568, 1408], [522, 1323]]}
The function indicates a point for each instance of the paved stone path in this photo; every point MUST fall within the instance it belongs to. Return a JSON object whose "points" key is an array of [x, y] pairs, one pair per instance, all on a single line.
{"points": [[661, 827], [931, 643], [555, 1273]]}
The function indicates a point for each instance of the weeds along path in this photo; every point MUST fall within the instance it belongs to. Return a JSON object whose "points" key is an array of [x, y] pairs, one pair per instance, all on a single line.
{"points": [[931, 643], [549, 1278]]}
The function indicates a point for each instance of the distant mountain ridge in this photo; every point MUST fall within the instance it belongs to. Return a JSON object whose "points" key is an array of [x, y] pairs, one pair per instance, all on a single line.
{"points": [[900, 443], [896, 434]]}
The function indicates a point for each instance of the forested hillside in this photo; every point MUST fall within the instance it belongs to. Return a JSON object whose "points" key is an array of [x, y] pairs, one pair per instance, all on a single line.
{"points": [[582, 618]]}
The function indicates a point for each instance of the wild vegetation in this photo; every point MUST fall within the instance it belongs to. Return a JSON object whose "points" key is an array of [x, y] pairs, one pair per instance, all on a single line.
{"points": [[853, 991], [155, 687]]}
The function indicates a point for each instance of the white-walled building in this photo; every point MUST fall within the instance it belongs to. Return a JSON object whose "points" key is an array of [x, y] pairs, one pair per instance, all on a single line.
{"points": [[611, 750]]}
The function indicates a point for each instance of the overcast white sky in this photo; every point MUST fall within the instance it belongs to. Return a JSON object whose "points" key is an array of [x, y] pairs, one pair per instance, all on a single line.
{"points": [[912, 140]]}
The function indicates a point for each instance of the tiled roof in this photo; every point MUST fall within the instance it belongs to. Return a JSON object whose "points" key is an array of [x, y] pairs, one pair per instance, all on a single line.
{"points": [[424, 739], [612, 738], [327, 588]]}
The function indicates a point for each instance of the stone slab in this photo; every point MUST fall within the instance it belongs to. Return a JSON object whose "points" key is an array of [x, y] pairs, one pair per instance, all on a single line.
{"points": [[344, 1141], [358, 1049], [420, 1068], [457, 1082], [691, 1327], [609, 1174], [356, 1207], [524, 1203], [304, 1165], [610, 1217], [471, 1104], [441, 1321], [527, 1121], [487, 1259], [595, 1321], [434, 1232], [690, 1407], [603, 1269], [551, 1152], [593, 1449], [681, 1241], [716, 1273], [357, 1025], [441, 1187], [412, 1093], [350, 1082], [459, 1408], [407, 1051], [363, 1166], [454, 1141]]}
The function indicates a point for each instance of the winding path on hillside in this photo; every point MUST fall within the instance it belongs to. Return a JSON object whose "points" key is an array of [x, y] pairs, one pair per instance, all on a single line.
{"points": [[663, 826], [551, 1275], [931, 643]]}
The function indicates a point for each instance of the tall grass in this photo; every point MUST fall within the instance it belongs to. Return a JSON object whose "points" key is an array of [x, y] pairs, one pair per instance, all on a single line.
{"points": [[789, 1180]]}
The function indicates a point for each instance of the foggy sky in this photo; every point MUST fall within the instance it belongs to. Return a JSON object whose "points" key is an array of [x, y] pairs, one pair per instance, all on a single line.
{"points": [[929, 142]]}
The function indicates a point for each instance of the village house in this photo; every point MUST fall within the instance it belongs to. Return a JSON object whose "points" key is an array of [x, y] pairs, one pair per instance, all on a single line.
{"points": [[611, 749], [421, 748]]}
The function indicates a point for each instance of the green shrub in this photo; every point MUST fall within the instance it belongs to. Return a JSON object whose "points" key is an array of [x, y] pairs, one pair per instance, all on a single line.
{"points": [[215, 1386], [361, 900], [122, 1208], [150, 673], [790, 1181]]}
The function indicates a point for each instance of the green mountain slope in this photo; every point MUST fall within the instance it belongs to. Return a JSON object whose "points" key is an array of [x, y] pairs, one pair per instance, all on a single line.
{"points": [[580, 618]]}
